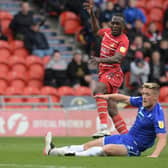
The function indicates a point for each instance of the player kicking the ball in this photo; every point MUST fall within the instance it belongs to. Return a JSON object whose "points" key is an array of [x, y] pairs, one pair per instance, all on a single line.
{"points": [[114, 47], [148, 125]]}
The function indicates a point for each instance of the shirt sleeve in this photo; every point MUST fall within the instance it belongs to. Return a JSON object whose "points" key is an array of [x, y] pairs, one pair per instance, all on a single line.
{"points": [[159, 121], [123, 47], [101, 32], [136, 101]]}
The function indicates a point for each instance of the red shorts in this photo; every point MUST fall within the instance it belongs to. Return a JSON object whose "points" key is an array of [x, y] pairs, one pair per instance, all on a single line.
{"points": [[112, 79]]}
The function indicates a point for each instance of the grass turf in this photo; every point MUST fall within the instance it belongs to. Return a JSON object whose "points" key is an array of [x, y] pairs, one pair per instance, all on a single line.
{"points": [[27, 153]]}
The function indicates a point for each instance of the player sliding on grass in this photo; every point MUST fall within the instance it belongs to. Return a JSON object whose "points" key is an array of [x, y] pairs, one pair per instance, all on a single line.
{"points": [[114, 47], [149, 124]]}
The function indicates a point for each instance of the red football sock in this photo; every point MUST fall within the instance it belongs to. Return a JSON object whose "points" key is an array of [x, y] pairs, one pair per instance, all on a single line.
{"points": [[102, 110], [120, 124]]}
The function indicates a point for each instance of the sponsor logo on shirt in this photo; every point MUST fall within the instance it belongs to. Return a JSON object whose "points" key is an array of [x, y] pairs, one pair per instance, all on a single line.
{"points": [[122, 49]]}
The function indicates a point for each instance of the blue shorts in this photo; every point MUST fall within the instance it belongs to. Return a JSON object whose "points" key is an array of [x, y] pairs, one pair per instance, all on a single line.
{"points": [[126, 140]]}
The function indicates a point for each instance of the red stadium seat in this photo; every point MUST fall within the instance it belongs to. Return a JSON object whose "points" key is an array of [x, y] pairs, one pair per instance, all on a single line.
{"points": [[5, 15], [21, 52], [18, 64], [156, 15], [34, 60], [66, 91], [3, 84], [31, 91], [83, 91], [36, 72], [153, 4], [35, 83], [67, 15], [5, 51], [3, 77], [165, 5], [4, 64], [17, 79], [52, 92], [14, 91], [5, 25], [72, 26], [17, 44], [141, 4], [46, 59], [163, 93], [127, 80]]}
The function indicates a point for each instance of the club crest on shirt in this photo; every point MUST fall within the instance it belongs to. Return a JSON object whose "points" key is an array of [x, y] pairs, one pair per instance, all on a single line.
{"points": [[122, 49], [161, 124]]}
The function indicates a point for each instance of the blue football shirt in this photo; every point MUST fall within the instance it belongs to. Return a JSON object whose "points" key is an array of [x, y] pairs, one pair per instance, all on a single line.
{"points": [[147, 124]]}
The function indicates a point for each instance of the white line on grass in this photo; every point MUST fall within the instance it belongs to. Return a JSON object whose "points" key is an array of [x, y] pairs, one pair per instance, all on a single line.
{"points": [[39, 166]]}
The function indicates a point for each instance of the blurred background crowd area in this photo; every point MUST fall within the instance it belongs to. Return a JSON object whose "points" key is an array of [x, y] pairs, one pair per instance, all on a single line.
{"points": [[45, 46]]}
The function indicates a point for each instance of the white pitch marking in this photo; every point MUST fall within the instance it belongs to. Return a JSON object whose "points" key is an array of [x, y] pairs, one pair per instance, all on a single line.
{"points": [[35, 165]]}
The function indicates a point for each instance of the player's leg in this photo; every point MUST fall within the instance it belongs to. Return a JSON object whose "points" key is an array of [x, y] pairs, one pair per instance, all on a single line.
{"points": [[101, 107], [50, 148], [108, 146], [106, 150], [118, 121]]}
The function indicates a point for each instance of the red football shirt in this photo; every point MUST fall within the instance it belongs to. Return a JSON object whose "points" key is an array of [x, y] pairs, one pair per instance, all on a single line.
{"points": [[110, 45]]}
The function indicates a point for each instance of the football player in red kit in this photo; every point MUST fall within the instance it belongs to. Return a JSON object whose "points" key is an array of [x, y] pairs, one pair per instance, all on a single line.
{"points": [[114, 47]]}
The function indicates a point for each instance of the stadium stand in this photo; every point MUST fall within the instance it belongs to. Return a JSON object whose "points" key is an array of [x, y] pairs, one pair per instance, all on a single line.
{"points": [[26, 72]]}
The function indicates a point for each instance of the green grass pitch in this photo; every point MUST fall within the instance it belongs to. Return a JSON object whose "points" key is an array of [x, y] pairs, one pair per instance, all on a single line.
{"points": [[27, 153]]}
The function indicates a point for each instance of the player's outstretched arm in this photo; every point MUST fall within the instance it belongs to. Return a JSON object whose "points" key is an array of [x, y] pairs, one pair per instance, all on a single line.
{"points": [[89, 5], [115, 97], [160, 145]]}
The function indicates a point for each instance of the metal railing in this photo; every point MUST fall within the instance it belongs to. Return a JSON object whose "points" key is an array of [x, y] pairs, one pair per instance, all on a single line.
{"points": [[5, 104]]}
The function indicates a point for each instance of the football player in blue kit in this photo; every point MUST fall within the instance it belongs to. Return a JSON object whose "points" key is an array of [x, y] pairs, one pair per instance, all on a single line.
{"points": [[149, 124]]}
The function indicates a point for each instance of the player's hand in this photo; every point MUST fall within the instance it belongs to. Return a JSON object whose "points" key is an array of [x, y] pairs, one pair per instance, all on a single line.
{"points": [[88, 5], [153, 156], [94, 60], [106, 96]]}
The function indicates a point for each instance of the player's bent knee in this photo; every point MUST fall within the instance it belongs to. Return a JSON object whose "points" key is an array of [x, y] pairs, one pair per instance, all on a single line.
{"points": [[100, 88], [97, 142], [115, 150]]}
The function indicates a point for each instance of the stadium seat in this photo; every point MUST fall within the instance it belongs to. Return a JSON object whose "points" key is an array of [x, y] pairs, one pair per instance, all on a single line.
{"points": [[151, 4], [127, 80], [83, 91], [5, 51], [72, 26], [33, 60], [14, 91], [46, 59], [35, 83], [156, 15], [36, 72], [17, 79], [53, 93], [21, 52], [163, 93], [165, 5], [66, 91], [4, 77], [4, 67], [3, 84], [17, 44], [18, 83], [5, 25], [18, 64], [141, 4], [46, 90], [67, 15], [5, 15]]}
